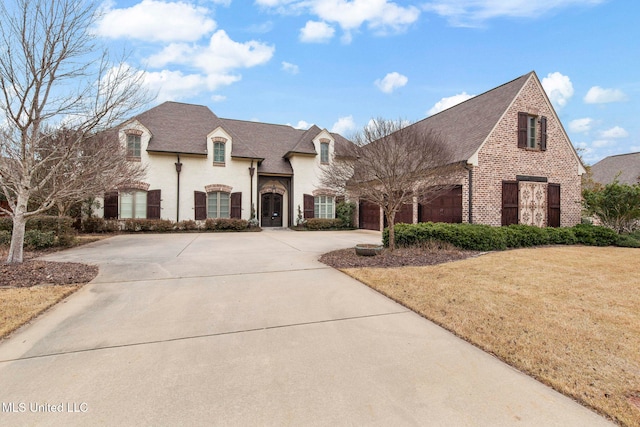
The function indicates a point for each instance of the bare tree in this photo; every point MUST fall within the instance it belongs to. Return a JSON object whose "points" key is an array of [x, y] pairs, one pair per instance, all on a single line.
{"points": [[392, 164], [50, 79], [98, 165]]}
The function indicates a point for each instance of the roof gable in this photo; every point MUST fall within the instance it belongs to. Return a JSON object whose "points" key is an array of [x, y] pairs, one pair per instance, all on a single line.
{"points": [[465, 126]]}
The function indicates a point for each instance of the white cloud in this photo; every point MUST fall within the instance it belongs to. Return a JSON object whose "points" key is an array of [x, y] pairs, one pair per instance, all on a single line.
{"points": [[600, 143], [449, 102], [302, 125], [316, 32], [581, 125], [220, 56], [173, 85], [598, 95], [152, 20], [559, 88], [218, 98], [380, 16], [469, 13], [290, 68], [614, 132], [344, 126], [391, 81]]}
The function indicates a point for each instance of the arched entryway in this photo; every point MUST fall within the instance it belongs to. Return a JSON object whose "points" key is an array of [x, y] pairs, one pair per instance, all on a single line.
{"points": [[272, 212], [273, 202]]}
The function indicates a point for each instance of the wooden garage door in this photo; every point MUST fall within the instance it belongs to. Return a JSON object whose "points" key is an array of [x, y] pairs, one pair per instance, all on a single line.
{"points": [[445, 208], [369, 216], [405, 215]]}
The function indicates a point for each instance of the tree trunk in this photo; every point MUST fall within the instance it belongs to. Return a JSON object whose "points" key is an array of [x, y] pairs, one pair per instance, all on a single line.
{"points": [[391, 217], [16, 250], [17, 239]]}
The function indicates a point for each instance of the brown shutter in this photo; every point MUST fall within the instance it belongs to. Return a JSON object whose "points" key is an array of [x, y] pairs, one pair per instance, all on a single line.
{"points": [[522, 130], [200, 199], [543, 133], [309, 202], [509, 202], [553, 205], [153, 204], [236, 205], [111, 205]]}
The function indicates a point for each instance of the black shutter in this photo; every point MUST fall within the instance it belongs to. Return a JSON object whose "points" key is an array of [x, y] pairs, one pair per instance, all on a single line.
{"points": [[200, 200], [153, 204], [543, 133], [509, 202], [111, 205], [522, 130], [309, 202], [553, 205], [236, 205]]}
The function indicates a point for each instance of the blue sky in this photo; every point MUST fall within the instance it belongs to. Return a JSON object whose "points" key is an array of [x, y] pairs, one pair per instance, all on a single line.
{"points": [[338, 63]]}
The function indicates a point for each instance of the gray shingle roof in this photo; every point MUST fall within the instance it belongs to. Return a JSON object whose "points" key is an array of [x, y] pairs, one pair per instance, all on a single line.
{"points": [[627, 165], [465, 126], [182, 128]]}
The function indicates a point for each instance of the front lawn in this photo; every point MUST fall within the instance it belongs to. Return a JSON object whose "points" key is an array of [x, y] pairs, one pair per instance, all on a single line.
{"points": [[566, 315]]}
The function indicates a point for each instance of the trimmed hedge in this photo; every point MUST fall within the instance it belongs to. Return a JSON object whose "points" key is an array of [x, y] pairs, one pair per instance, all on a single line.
{"points": [[486, 238], [57, 224], [226, 224], [323, 223]]}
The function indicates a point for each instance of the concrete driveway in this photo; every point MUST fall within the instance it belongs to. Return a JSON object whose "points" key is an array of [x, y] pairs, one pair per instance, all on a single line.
{"points": [[250, 329]]}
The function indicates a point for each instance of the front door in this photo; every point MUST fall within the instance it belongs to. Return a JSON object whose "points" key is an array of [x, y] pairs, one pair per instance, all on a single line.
{"points": [[271, 210]]}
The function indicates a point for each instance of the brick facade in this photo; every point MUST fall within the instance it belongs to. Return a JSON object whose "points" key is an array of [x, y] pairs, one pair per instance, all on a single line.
{"points": [[500, 159]]}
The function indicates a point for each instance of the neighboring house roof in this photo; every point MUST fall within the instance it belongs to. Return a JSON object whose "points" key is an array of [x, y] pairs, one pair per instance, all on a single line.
{"points": [[183, 128], [465, 126], [624, 167]]}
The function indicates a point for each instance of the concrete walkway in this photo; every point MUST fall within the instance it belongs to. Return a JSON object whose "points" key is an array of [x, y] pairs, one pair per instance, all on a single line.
{"points": [[250, 329]]}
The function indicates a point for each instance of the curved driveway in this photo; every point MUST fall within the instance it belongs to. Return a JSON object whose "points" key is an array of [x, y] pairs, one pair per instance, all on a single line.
{"points": [[250, 329]]}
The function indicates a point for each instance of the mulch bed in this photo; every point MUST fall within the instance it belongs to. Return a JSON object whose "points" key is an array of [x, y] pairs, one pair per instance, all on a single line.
{"points": [[401, 257], [36, 272]]}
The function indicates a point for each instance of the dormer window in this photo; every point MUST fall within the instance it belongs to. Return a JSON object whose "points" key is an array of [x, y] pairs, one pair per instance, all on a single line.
{"points": [[134, 144], [219, 154], [324, 152]]}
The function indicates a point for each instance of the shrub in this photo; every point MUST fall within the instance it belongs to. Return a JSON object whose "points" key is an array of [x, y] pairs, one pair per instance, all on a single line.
{"points": [[485, 238], [188, 225], [36, 239], [345, 212], [142, 224], [66, 240], [6, 224], [226, 224], [59, 225], [5, 237], [627, 241], [594, 235], [93, 225], [323, 223]]}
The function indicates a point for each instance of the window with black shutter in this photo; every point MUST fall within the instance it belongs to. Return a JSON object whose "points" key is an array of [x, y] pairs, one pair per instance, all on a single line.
{"points": [[153, 204], [111, 205], [543, 133], [309, 202], [236, 205], [200, 200]]}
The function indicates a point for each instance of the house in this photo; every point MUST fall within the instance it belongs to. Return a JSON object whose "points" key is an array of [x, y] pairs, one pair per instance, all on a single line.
{"points": [[623, 167], [202, 166], [516, 163]]}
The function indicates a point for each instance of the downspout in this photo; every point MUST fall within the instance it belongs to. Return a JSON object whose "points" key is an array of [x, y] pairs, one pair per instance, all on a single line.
{"points": [[470, 169], [251, 172], [178, 169]]}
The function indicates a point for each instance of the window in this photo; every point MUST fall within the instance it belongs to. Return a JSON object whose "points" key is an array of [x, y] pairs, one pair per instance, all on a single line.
{"points": [[323, 207], [133, 204], [218, 205], [324, 152], [133, 145], [531, 132], [218, 153]]}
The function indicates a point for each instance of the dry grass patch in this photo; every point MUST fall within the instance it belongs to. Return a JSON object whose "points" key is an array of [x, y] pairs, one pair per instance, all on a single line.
{"points": [[568, 316], [19, 305]]}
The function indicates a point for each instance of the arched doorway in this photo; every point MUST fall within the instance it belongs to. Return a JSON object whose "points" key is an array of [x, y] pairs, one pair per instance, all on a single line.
{"points": [[271, 204]]}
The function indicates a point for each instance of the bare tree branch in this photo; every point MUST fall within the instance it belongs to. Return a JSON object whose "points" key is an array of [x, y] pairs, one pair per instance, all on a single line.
{"points": [[56, 94], [392, 164]]}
